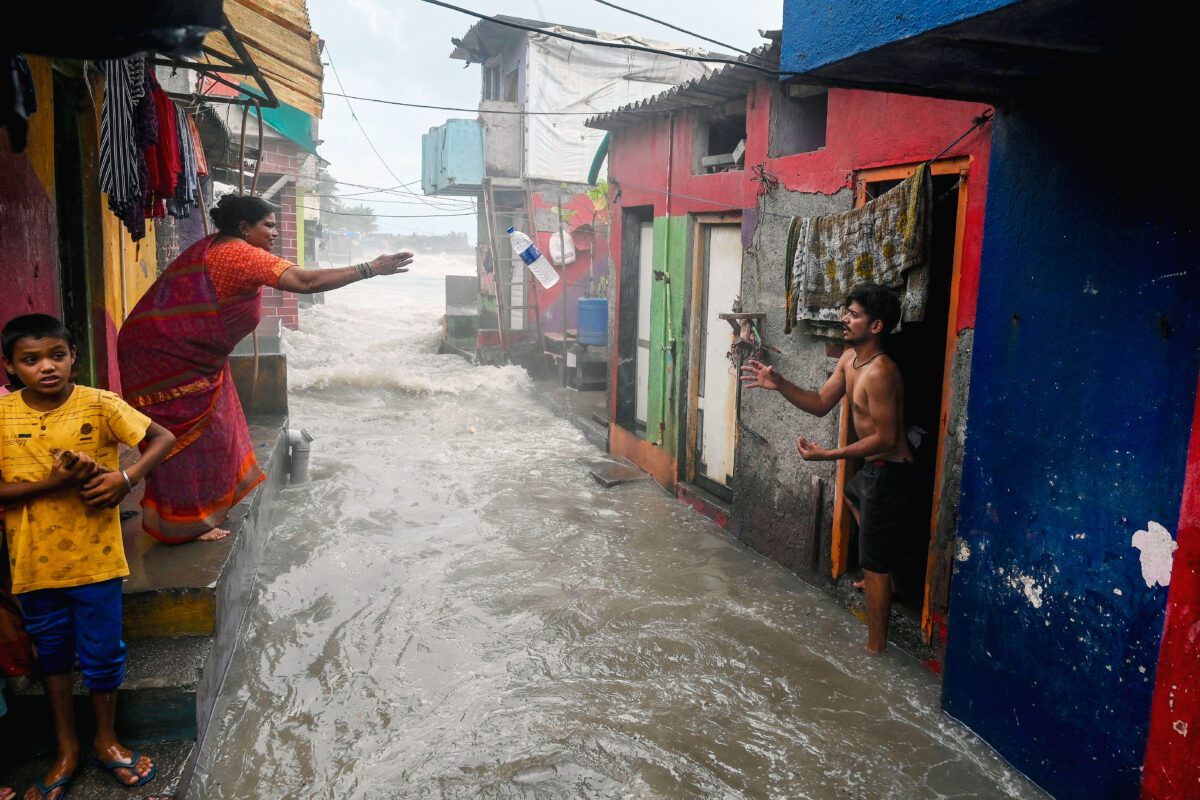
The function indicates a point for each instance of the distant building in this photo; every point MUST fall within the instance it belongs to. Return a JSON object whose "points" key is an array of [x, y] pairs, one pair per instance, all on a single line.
{"points": [[530, 162]]}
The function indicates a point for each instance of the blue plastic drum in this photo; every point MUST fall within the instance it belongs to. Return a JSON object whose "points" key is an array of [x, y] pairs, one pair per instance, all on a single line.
{"points": [[593, 320]]}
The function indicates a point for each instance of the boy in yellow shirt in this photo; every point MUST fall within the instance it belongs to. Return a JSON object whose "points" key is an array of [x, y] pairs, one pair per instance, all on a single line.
{"points": [[64, 532]]}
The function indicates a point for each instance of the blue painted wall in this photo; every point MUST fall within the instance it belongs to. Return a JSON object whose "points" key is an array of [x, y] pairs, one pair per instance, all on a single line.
{"points": [[1082, 391], [820, 32]]}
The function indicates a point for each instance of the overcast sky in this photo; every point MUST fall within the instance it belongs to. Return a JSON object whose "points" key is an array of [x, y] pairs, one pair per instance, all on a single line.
{"points": [[400, 50]]}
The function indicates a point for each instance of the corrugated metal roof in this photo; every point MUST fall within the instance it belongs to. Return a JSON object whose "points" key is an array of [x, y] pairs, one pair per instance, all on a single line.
{"points": [[279, 38], [729, 82]]}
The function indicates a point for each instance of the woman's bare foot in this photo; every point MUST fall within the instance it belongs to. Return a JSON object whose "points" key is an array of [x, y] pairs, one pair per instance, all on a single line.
{"points": [[212, 535]]}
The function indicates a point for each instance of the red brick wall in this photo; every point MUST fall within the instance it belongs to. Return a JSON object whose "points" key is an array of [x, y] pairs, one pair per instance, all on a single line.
{"points": [[280, 158]]}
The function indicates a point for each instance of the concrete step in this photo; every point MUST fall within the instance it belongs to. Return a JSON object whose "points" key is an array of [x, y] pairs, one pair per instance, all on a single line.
{"points": [[157, 701], [172, 760], [183, 612], [173, 590]]}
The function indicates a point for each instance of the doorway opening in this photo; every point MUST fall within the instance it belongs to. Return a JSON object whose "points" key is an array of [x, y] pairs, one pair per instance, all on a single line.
{"points": [[713, 384], [71, 206], [633, 320], [920, 351]]}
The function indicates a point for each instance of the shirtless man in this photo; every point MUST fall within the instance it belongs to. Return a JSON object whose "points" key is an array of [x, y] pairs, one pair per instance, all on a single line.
{"points": [[881, 493]]}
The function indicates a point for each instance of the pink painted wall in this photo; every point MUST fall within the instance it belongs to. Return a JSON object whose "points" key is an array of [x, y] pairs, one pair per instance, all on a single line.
{"points": [[28, 239]]}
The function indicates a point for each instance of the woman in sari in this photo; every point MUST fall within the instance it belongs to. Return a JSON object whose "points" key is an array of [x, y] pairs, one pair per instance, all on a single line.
{"points": [[174, 349]]}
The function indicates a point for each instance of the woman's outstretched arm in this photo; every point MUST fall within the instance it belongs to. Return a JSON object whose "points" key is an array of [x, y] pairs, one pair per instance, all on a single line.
{"points": [[310, 281]]}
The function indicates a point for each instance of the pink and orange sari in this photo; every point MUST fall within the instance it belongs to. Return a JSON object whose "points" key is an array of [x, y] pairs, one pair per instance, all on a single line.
{"points": [[173, 353]]}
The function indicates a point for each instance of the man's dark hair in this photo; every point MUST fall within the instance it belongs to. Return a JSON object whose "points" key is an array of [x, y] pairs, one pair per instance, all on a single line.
{"points": [[879, 302], [32, 326], [234, 209]]}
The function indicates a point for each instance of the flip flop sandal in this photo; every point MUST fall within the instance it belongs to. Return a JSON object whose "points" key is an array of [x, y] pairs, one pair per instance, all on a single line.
{"points": [[61, 783], [130, 765]]}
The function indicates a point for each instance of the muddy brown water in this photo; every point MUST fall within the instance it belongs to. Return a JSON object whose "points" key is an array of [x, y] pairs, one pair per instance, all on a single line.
{"points": [[444, 613]]}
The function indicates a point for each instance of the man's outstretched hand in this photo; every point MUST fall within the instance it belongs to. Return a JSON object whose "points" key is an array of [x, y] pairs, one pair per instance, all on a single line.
{"points": [[757, 375]]}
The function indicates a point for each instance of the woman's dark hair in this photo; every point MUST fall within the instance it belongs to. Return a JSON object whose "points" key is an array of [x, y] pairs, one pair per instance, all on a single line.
{"points": [[234, 209], [879, 302]]}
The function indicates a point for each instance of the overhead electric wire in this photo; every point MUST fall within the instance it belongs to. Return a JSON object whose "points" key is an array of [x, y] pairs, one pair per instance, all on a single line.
{"points": [[357, 122], [398, 216], [462, 108], [600, 43], [675, 27]]}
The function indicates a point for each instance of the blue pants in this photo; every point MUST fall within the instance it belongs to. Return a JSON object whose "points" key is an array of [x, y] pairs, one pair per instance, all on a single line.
{"points": [[78, 619]]}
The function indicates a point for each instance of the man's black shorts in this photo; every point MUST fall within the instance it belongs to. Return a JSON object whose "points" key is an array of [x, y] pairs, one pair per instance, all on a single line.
{"points": [[886, 494]]}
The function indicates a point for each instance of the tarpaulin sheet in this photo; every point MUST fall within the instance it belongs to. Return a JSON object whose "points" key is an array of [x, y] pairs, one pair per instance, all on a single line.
{"points": [[568, 76]]}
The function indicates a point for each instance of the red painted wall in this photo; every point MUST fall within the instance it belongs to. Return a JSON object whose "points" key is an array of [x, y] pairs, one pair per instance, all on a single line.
{"points": [[1172, 768], [864, 130], [595, 257]]}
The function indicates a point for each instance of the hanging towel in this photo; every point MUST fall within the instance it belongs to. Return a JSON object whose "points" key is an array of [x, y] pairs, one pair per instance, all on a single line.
{"points": [[885, 241], [197, 148]]}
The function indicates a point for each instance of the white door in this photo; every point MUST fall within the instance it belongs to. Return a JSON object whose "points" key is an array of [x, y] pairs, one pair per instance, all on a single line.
{"points": [[645, 292], [717, 401]]}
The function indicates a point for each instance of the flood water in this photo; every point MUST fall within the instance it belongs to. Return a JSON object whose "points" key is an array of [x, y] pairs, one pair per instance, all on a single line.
{"points": [[453, 608]]}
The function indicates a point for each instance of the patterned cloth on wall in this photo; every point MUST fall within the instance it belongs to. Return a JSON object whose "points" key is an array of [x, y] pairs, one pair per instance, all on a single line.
{"points": [[885, 241]]}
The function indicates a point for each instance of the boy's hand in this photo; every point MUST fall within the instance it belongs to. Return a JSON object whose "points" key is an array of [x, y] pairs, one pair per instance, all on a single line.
{"points": [[81, 468], [105, 490]]}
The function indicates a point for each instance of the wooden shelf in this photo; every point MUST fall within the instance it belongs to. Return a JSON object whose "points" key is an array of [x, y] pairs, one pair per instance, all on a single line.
{"points": [[735, 320]]}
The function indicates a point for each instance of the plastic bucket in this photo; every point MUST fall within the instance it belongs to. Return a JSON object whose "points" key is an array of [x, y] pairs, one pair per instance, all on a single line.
{"points": [[593, 320]]}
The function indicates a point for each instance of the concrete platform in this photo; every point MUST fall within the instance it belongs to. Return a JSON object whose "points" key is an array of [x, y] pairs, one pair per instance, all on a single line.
{"points": [[184, 607], [614, 470]]}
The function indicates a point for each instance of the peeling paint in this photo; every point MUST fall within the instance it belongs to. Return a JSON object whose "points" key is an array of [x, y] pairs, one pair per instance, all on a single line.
{"points": [[1180, 727], [1033, 592], [964, 551], [1158, 550]]}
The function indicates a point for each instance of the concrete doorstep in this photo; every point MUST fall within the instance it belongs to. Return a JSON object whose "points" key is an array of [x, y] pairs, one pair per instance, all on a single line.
{"points": [[183, 612]]}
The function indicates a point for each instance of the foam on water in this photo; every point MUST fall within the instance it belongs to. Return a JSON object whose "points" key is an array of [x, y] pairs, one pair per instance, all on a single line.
{"points": [[453, 608]]}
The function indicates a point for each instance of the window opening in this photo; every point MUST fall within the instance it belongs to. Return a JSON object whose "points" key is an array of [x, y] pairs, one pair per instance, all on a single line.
{"points": [[799, 125]]}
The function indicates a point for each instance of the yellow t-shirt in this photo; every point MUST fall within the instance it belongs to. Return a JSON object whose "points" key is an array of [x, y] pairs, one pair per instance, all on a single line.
{"points": [[54, 539]]}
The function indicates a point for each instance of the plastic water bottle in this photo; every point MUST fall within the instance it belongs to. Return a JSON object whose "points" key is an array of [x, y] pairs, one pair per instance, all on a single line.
{"points": [[524, 247]]}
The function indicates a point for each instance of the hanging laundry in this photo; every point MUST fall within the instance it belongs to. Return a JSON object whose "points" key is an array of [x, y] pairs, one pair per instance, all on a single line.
{"points": [[18, 101], [145, 135], [197, 148], [119, 153], [187, 187], [164, 174], [885, 241]]}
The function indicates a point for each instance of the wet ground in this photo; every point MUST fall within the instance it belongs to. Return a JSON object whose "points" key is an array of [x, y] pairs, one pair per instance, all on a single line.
{"points": [[452, 608]]}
